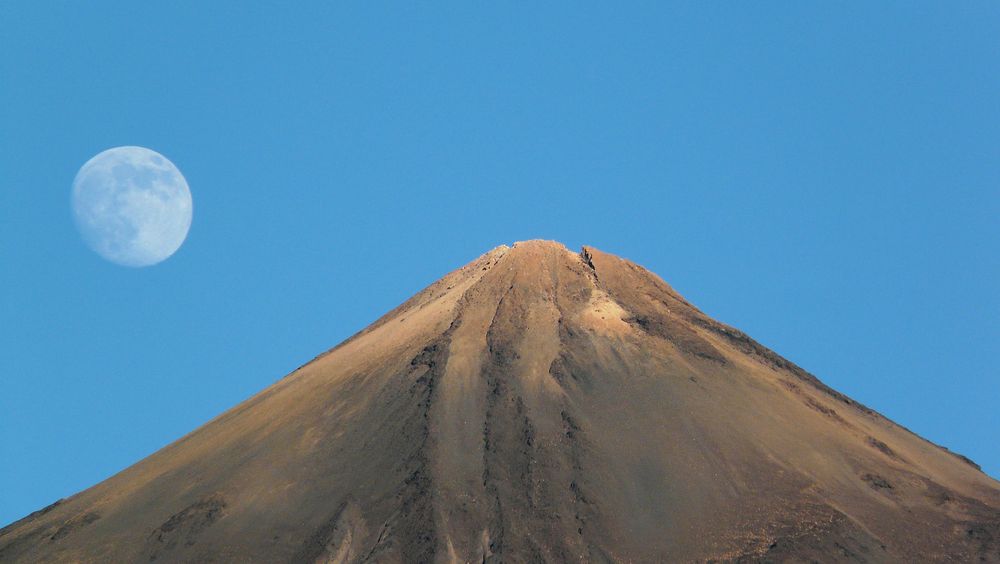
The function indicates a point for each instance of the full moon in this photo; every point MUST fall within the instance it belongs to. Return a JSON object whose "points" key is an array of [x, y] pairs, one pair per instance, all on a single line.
{"points": [[132, 206]]}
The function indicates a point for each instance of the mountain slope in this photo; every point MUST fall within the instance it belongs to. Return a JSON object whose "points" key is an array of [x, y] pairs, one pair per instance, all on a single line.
{"points": [[536, 405]]}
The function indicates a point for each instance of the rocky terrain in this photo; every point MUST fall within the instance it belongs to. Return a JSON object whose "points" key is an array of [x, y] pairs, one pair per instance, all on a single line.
{"points": [[536, 405]]}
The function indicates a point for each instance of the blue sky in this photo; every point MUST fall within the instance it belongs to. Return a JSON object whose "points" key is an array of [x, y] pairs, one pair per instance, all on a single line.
{"points": [[824, 176]]}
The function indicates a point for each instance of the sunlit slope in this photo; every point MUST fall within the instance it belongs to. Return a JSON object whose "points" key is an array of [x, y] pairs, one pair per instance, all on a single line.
{"points": [[537, 404]]}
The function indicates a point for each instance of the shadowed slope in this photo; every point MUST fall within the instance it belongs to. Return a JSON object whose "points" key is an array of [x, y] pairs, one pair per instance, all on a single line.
{"points": [[536, 405]]}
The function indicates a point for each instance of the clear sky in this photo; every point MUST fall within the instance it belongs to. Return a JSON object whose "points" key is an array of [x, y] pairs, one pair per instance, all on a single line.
{"points": [[824, 176]]}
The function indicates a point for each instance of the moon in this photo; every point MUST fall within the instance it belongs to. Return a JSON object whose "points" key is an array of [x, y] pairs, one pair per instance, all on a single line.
{"points": [[132, 206]]}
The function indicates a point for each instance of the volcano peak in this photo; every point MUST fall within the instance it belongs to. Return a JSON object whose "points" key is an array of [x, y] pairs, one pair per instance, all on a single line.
{"points": [[537, 404]]}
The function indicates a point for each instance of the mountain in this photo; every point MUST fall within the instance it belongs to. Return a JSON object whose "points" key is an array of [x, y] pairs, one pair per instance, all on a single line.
{"points": [[536, 405]]}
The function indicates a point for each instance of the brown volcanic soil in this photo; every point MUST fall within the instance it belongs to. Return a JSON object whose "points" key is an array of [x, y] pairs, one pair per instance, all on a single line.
{"points": [[536, 405]]}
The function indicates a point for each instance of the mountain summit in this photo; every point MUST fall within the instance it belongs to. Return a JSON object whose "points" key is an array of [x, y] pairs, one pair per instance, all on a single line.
{"points": [[536, 405]]}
